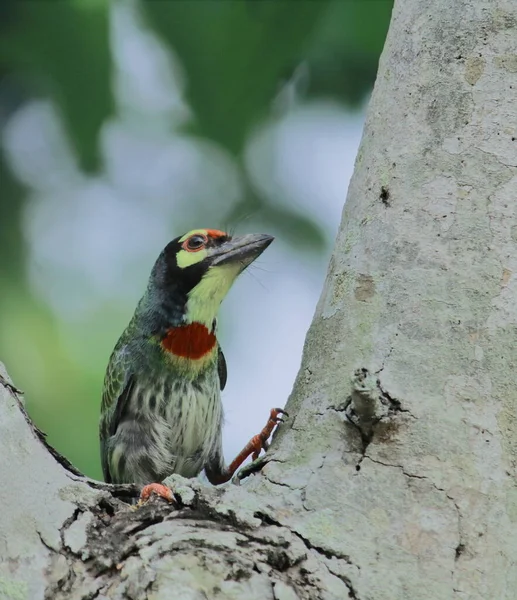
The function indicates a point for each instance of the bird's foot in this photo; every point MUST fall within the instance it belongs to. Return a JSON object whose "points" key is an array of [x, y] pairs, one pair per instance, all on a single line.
{"points": [[250, 469], [253, 448], [258, 442], [160, 490], [261, 441]]}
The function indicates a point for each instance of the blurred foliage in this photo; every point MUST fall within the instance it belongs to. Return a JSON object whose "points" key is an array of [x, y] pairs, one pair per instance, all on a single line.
{"points": [[257, 42], [11, 241], [344, 51], [236, 56], [63, 47]]}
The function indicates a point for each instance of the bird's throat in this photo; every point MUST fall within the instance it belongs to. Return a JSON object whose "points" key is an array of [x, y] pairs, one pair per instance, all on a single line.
{"points": [[193, 341], [205, 298]]}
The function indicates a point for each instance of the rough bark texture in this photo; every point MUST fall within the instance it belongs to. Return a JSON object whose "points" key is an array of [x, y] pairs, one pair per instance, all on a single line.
{"points": [[395, 477]]}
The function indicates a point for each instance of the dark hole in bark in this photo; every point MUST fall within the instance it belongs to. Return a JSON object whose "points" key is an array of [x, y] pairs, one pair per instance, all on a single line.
{"points": [[460, 548], [385, 196]]}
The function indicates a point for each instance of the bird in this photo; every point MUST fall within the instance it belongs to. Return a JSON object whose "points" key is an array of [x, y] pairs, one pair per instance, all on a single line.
{"points": [[161, 408]]}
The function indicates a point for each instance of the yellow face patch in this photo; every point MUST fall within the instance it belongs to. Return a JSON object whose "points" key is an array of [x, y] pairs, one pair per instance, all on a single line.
{"points": [[185, 257], [204, 300], [191, 255]]}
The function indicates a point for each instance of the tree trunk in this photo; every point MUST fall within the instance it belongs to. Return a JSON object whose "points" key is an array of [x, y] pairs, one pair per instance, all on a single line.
{"points": [[394, 478]]}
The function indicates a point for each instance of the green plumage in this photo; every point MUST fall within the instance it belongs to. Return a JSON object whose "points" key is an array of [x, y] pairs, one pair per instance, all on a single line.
{"points": [[162, 413], [155, 420]]}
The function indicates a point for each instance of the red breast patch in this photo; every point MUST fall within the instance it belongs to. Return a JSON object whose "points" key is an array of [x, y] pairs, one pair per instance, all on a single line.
{"points": [[189, 341]]}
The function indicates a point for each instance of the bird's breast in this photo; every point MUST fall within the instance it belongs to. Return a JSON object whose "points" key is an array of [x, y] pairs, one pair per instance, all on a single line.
{"points": [[184, 418], [191, 349]]}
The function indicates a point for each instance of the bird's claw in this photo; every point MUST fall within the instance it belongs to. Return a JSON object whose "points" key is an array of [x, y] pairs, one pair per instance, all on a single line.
{"points": [[257, 443], [160, 490], [278, 419], [260, 442], [275, 412]]}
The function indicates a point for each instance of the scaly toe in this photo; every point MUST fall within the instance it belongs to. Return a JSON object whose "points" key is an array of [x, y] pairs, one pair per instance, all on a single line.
{"points": [[156, 488]]}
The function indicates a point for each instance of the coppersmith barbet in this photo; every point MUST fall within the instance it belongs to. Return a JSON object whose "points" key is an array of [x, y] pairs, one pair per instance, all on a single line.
{"points": [[161, 405]]}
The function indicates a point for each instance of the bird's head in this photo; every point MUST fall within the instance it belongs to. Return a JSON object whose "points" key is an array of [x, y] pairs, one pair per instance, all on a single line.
{"points": [[200, 267]]}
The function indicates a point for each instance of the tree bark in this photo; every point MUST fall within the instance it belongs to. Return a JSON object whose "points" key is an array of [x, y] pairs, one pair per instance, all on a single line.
{"points": [[394, 477]]}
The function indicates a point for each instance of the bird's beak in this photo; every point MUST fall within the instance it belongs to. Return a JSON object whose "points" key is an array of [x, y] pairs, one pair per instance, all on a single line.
{"points": [[243, 249]]}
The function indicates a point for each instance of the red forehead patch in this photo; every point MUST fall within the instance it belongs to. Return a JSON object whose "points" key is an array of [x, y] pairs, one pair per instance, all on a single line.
{"points": [[215, 233]]}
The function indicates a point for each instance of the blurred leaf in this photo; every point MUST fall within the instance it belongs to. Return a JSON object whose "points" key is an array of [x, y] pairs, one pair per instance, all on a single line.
{"points": [[62, 397], [345, 51], [63, 46], [11, 239], [235, 55], [359, 26], [296, 229]]}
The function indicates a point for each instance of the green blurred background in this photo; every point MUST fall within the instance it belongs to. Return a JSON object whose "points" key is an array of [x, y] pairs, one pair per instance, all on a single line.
{"points": [[125, 124]]}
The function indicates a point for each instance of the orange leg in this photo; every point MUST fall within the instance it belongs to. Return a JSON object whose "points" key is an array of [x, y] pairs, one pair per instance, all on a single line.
{"points": [[159, 489], [253, 448]]}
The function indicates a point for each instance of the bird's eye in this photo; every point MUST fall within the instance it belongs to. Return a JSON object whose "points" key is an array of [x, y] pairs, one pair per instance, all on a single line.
{"points": [[195, 242]]}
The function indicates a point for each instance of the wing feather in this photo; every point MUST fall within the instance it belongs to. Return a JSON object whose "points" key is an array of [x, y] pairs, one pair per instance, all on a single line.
{"points": [[118, 384], [221, 368]]}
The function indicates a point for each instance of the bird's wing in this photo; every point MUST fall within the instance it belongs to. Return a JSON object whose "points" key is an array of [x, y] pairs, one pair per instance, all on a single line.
{"points": [[118, 384], [221, 368]]}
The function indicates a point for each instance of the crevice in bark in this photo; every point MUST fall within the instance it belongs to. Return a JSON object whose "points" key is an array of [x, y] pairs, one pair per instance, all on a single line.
{"points": [[352, 593], [330, 554], [67, 524], [371, 407], [266, 519], [274, 482], [121, 491], [410, 475], [385, 359], [44, 541], [394, 404], [326, 553], [280, 483], [460, 545]]}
